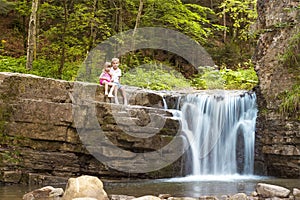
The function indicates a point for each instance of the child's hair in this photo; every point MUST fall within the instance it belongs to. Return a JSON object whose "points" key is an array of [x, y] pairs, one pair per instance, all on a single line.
{"points": [[115, 60], [107, 64]]}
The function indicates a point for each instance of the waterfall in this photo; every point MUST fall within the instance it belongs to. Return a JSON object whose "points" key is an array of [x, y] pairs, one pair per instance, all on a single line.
{"points": [[220, 129], [165, 105]]}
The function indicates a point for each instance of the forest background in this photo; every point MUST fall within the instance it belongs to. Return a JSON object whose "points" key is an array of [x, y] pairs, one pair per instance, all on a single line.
{"points": [[65, 31]]}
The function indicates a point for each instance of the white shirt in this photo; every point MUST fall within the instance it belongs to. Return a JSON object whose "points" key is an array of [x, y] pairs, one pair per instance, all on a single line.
{"points": [[116, 73]]}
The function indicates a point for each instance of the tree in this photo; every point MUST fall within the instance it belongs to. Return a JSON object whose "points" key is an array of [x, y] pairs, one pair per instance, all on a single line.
{"points": [[31, 48], [190, 19], [242, 14]]}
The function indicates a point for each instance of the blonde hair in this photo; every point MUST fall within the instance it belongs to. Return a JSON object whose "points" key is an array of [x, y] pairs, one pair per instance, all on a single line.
{"points": [[107, 64], [115, 60]]}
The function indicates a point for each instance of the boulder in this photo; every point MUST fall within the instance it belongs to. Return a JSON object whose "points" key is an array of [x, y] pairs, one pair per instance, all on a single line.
{"points": [[85, 187], [268, 190], [239, 196], [296, 193], [48, 192]]}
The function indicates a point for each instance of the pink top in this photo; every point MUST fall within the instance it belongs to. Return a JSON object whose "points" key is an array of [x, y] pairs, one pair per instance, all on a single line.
{"points": [[105, 75]]}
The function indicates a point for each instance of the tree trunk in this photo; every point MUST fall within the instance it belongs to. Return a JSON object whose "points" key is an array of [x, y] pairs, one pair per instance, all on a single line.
{"points": [[138, 17], [92, 38], [31, 42], [63, 50], [224, 24], [120, 19]]}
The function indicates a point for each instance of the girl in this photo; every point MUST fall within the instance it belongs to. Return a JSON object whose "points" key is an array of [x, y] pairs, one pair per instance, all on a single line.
{"points": [[105, 79]]}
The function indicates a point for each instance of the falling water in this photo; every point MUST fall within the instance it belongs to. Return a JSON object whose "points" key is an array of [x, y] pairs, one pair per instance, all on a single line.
{"points": [[220, 129]]}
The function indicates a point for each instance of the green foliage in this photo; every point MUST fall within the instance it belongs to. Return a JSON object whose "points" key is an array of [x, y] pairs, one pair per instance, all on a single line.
{"points": [[151, 76], [223, 55], [245, 79], [155, 77], [77, 30], [242, 14], [9, 156], [6, 7], [290, 105], [68, 31], [209, 78], [9, 64], [190, 19], [23, 8], [41, 67], [291, 57]]}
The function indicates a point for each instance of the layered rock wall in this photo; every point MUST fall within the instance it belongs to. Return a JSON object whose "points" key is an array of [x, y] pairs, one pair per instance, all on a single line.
{"points": [[39, 133], [277, 137]]}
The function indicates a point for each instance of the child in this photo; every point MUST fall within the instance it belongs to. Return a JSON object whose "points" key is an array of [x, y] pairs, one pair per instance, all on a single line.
{"points": [[116, 73], [106, 80]]}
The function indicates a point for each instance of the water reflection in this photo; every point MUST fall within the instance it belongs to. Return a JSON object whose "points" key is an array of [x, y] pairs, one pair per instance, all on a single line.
{"points": [[188, 186], [196, 186]]}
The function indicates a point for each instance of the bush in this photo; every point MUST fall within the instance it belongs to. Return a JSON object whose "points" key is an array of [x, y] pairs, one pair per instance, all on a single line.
{"points": [[155, 77], [40, 67], [243, 79], [240, 79]]}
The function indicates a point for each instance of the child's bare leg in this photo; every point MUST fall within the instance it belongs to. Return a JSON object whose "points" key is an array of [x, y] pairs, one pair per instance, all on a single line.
{"points": [[105, 88], [111, 91], [116, 94], [123, 95]]}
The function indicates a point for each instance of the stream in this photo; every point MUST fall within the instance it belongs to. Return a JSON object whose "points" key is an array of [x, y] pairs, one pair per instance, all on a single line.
{"points": [[191, 186]]}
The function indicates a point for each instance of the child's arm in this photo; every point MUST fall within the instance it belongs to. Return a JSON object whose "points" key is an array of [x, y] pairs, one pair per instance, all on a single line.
{"points": [[102, 77]]}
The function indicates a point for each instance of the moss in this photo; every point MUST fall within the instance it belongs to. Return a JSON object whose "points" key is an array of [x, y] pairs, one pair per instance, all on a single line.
{"points": [[264, 111], [290, 99], [10, 153], [290, 102], [291, 57]]}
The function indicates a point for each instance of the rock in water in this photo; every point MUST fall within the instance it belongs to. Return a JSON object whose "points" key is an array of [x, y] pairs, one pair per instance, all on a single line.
{"points": [[85, 187], [48, 192]]}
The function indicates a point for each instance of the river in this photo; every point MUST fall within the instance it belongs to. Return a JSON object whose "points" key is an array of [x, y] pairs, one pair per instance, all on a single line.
{"points": [[193, 186]]}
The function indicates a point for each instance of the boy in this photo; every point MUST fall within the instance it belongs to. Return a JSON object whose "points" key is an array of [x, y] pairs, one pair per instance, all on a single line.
{"points": [[116, 74]]}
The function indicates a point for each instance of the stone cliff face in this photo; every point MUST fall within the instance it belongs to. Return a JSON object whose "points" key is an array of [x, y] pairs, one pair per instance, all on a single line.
{"points": [[40, 141], [277, 137]]}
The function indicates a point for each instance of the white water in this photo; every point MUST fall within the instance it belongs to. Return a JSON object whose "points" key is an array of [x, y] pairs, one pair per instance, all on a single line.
{"points": [[213, 125]]}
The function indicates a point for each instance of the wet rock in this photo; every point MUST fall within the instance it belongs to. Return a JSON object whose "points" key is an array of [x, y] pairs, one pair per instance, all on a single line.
{"points": [[85, 187], [253, 198], [239, 196], [268, 190], [120, 197], [147, 197], [48, 192], [209, 198], [225, 197], [164, 196], [253, 194], [182, 198], [296, 193], [10, 176]]}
